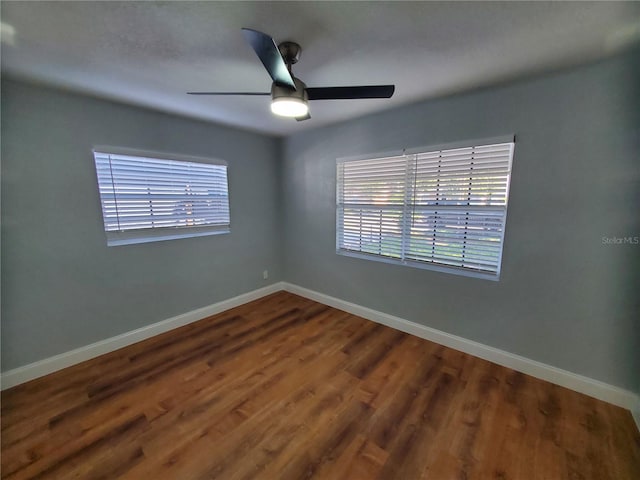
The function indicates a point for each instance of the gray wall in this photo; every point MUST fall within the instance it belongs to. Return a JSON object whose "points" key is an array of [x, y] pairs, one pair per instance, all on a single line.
{"points": [[62, 287], [564, 298]]}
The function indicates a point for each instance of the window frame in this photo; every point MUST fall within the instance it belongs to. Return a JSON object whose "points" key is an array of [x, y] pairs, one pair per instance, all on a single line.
{"points": [[156, 234], [456, 270]]}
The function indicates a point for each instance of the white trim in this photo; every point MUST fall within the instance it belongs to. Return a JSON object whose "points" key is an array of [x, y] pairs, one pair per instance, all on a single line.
{"points": [[58, 362], [160, 234], [564, 378], [635, 412]]}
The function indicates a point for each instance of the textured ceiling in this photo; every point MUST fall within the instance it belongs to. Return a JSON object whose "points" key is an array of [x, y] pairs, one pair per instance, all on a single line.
{"points": [[151, 53]]}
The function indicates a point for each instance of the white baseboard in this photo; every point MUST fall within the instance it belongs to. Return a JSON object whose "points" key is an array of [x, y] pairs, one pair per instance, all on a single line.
{"points": [[635, 411], [564, 378], [58, 362]]}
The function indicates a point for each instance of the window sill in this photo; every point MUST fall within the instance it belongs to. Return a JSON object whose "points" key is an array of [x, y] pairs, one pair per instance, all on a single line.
{"points": [[115, 239], [422, 265]]}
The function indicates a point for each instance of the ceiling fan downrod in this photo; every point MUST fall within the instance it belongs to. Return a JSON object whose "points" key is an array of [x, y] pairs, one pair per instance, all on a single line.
{"points": [[290, 52]]}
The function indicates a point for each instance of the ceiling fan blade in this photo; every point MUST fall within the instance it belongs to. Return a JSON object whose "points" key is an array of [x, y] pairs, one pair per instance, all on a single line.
{"points": [[306, 117], [228, 93], [346, 93], [269, 55]]}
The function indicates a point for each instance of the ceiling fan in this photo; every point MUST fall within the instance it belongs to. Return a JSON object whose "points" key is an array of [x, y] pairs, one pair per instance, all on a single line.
{"points": [[290, 95]]}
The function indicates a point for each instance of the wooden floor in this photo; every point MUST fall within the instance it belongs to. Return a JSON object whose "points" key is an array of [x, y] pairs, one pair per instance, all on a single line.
{"points": [[285, 388]]}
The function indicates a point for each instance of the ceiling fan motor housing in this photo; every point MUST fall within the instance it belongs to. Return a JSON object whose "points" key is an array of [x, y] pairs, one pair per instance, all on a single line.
{"points": [[290, 52], [279, 91]]}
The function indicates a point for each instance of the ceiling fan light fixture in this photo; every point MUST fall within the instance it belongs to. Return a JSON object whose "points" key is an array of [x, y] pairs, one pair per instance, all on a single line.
{"points": [[289, 107], [289, 102]]}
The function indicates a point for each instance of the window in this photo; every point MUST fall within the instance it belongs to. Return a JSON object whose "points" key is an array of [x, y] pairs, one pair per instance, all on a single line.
{"points": [[440, 209], [146, 198]]}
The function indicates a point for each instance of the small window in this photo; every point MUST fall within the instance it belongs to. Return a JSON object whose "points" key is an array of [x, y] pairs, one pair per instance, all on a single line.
{"points": [[442, 209], [148, 198]]}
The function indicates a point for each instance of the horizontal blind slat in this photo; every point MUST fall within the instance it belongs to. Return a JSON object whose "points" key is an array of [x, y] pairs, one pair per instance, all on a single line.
{"points": [[445, 207], [140, 193]]}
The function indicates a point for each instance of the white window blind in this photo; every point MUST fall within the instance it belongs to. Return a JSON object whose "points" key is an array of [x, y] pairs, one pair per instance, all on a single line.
{"points": [[149, 199], [443, 209]]}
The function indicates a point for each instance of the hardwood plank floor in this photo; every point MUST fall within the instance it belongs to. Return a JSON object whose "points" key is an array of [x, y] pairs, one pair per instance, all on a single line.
{"points": [[285, 388]]}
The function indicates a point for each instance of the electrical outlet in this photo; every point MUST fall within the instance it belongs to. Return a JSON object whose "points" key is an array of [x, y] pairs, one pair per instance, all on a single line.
{"points": [[265, 274]]}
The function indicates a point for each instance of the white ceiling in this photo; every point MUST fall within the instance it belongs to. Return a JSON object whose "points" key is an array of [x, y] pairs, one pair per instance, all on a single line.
{"points": [[151, 53]]}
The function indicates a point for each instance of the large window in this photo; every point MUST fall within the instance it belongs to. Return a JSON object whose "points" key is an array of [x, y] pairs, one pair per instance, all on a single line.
{"points": [[146, 198], [440, 209]]}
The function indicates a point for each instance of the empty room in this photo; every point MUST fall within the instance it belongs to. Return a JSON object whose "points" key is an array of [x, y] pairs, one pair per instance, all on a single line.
{"points": [[328, 240]]}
